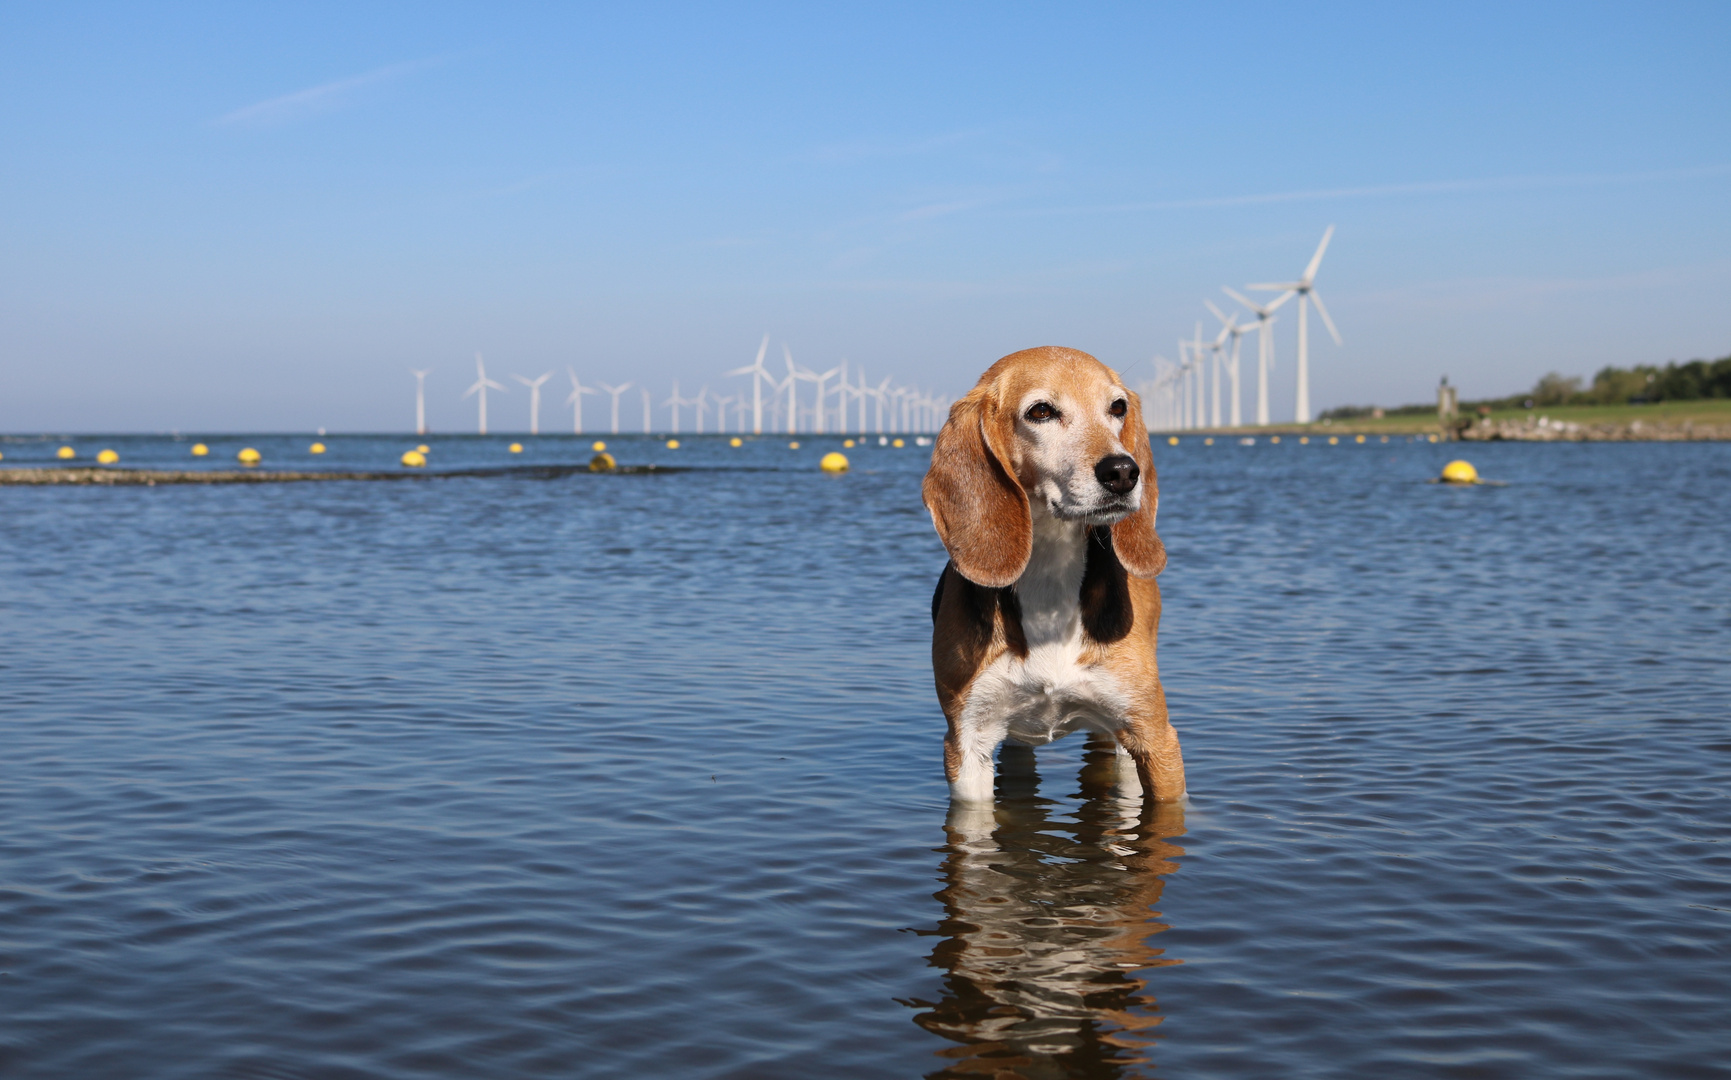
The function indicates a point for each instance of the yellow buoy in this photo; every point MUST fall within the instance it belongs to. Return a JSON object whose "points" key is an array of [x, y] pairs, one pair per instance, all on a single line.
{"points": [[516, 448], [598, 446], [1360, 438], [736, 441], [898, 442], [1334, 440], [602, 462], [423, 449], [795, 445], [847, 444], [1433, 438], [414, 458], [1460, 472], [107, 457], [1274, 439], [316, 448], [1208, 441], [833, 462], [248, 456], [199, 449], [672, 444], [1172, 440], [65, 453], [1304, 440]]}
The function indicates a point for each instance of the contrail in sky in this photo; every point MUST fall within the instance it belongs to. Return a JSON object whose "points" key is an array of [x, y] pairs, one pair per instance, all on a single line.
{"points": [[315, 99]]}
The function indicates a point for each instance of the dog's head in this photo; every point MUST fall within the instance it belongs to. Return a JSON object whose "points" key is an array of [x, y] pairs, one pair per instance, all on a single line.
{"points": [[1049, 428]]}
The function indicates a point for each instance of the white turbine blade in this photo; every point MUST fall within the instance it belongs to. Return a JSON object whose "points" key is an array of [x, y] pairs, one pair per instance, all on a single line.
{"points": [[1316, 260], [761, 349], [1269, 286], [747, 370], [1210, 305], [1281, 299], [1242, 299], [1316, 299]]}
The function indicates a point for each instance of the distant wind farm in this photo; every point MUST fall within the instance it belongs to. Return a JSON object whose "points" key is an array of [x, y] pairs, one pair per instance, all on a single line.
{"points": [[1204, 388]]}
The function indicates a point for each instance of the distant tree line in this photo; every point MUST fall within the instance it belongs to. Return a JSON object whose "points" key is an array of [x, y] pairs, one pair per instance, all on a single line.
{"points": [[1638, 385]]}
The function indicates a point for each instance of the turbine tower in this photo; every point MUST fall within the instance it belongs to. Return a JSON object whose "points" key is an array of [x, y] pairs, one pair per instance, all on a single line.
{"points": [[534, 386], [616, 391], [647, 422], [792, 384], [482, 385], [576, 401], [421, 401], [756, 370], [1306, 293], [1264, 346]]}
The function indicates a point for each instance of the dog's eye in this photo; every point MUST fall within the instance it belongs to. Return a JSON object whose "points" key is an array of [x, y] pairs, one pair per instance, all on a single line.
{"points": [[1039, 411], [1118, 408]]}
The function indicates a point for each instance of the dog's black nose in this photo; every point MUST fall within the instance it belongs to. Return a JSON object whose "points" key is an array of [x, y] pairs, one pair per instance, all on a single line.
{"points": [[1119, 473]]}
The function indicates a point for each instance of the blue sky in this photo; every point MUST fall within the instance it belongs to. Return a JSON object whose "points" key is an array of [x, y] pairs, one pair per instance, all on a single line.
{"points": [[260, 217]]}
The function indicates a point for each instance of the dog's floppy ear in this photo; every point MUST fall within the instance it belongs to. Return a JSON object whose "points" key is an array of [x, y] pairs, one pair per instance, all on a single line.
{"points": [[977, 504], [1137, 544]]}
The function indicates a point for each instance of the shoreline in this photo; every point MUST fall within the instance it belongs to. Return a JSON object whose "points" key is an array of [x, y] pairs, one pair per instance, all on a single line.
{"points": [[115, 476], [1531, 428]]}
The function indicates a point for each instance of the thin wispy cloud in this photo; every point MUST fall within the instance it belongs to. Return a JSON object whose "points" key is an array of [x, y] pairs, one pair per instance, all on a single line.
{"points": [[1435, 187], [314, 100]]}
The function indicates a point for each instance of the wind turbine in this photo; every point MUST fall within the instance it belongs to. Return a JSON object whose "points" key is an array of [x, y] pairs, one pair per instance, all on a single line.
{"points": [[1183, 384], [701, 401], [841, 392], [420, 401], [792, 384], [482, 385], [1264, 346], [534, 386], [1305, 291], [756, 370], [820, 379], [673, 403], [576, 401], [1216, 354], [1230, 328], [647, 422], [616, 391], [881, 393], [860, 396]]}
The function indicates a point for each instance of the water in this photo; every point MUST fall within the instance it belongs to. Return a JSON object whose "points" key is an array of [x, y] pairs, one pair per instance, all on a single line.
{"points": [[640, 776]]}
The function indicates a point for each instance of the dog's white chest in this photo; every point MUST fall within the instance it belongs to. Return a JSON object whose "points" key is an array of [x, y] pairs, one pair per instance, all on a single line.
{"points": [[1050, 692]]}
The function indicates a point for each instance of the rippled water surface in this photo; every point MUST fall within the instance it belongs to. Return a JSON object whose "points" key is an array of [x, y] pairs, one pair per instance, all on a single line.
{"points": [[640, 776]]}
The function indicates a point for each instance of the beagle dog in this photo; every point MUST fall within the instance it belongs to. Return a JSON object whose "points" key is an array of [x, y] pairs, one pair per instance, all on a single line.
{"points": [[1042, 490]]}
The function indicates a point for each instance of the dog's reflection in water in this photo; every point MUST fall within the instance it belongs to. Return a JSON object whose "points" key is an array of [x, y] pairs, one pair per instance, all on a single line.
{"points": [[1046, 928]]}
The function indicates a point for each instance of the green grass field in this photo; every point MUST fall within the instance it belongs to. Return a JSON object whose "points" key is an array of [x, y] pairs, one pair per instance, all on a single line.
{"points": [[1706, 410]]}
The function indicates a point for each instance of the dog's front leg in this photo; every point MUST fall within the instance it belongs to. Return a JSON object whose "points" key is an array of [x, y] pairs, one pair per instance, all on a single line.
{"points": [[1148, 737], [968, 750]]}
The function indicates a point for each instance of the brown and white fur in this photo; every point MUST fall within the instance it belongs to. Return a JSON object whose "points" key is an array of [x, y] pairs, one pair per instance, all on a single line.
{"points": [[1042, 489]]}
